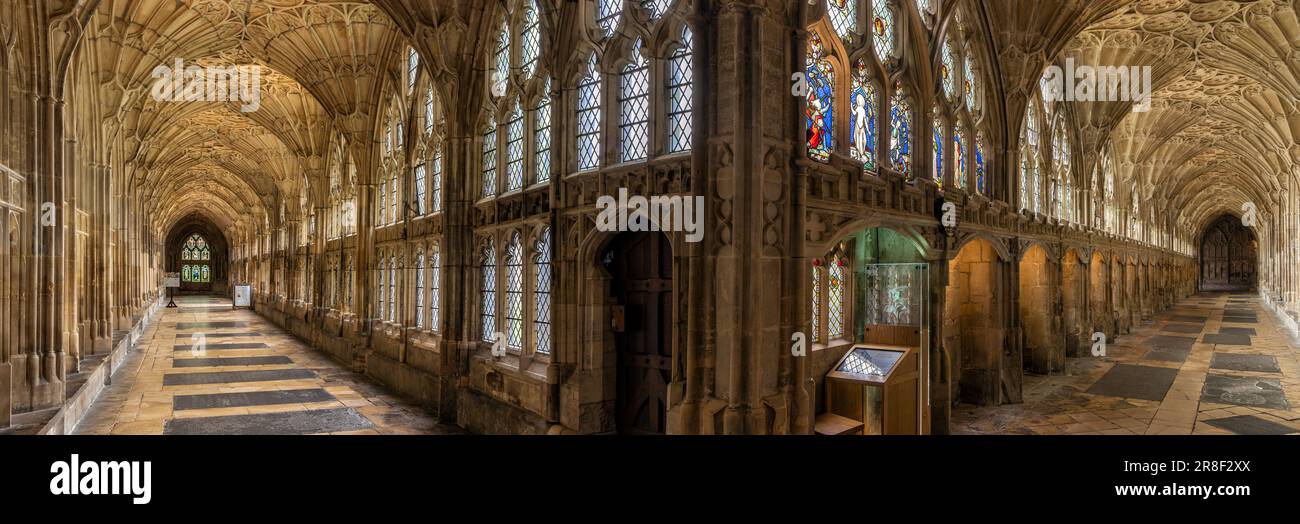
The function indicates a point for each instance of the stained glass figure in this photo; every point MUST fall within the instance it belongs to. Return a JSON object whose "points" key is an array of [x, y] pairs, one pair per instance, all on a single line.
{"points": [[959, 158], [980, 182], [900, 132], [937, 143], [864, 123], [821, 101]]}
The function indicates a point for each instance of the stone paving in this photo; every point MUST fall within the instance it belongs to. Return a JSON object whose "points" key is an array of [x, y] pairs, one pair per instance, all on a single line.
{"points": [[245, 377], [1215, 364]]}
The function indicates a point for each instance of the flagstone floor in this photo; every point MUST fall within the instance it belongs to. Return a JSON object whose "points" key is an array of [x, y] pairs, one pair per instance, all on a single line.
{"points": [[1216, 364], [204, 368]]}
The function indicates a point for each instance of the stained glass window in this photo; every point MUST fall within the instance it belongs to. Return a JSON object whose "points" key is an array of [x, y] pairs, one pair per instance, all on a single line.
{"points": [[936, 147], [821, 97], [515, 150], [501, 73], [530, 41], [816, 302], [514, 312], [419, 290], [435, 183], [864, 124], [589, 118], [435, 286], [412, 69], [844, 17], [900, 132], [681, 92], [421, 188], [882, 29], [542, 134], [542, 293], [634, 106], [196, 248], [948, 71], [607, 14], [835, 299], [490, 160], [488, 292], [891, 299], [980, 183], [969, 87], [959, 158]]}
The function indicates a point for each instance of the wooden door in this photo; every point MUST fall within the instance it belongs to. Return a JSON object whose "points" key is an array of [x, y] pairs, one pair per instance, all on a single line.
{"points": [[641, 266]]}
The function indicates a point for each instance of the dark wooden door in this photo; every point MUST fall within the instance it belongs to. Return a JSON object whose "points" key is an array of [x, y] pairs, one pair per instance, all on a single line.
{"points": [[1228, 256], [641, 265]]}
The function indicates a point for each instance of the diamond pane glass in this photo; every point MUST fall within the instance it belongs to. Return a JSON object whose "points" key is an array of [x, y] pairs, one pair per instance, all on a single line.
{"points": [[514, 313], [835, 299], [501, 71], [844, 17], [515, 150], [882, 29], [816, 302], [589, 118], [657, 7], [681, 92], [490, 160], [607, 15], [435, 183], [542, 135], [530, 41], [542, 294], [634, 107], [421, 189], [392, 289], [435, 286], [488, 292], [419, 291]]}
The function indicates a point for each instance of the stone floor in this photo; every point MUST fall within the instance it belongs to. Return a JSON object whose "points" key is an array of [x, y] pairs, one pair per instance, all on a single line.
{"points": [[207, 369], [1215, 364]]}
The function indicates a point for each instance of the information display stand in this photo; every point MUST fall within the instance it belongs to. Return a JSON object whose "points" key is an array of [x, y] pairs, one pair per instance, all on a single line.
{"points": [[171, 281], [872, 390], [242, 296]]}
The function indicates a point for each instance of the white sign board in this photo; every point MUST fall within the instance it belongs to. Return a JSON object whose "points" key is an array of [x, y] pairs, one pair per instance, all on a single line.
{"points": [[171, 280], [243, 295]]}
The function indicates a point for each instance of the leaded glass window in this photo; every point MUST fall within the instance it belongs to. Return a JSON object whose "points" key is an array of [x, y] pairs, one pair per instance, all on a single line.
{"points": [[412, 69], [959, 158], [589, 118], [514, 312], [490, 160], [419, 290], [634, 107], [392, 288], [196, 248], [681, 91], [435, 287], [435, 183], [381, 276], [969, 87], [820, 110], [530, 39], [865, 123], [488, 292], [844, 17], [607, 15], [393, 198], [430, 112], [542, 135], [816, 301], [835, 299], [515, 150], [657, 7], [501, 58], [421, 188], [882, 29], [1030, 197], [542, 294], [948, 71], [900, 132], [980, 182]]}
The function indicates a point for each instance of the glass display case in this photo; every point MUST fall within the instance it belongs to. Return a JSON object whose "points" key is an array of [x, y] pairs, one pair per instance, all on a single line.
{"points": [[875, 390]]}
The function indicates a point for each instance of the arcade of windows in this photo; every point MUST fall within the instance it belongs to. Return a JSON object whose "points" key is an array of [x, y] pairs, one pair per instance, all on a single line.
{"points": [[517, 153]]}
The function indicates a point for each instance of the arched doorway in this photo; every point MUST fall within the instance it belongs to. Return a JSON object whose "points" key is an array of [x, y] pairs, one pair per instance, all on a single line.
{"points": [[1228, 256], [973, 327], [1040, 326], [1099, 298], [196, 264], [1074, 303], [641, 270]]}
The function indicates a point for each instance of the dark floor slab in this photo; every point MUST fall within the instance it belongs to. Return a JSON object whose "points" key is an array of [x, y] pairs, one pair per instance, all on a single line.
{"points": [[1170, 342], [1241, 320], [214, 309], [222, 335], [1167, 354], [1252, 425], [1182, 328], [1190, 319], [254, 398], [1227, 339], [290, 423], [1131, 381], [225, 377], [210, 325], [230, 361], [1240, 362], [1238, 331], [1244, 391], [219, 347]]}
